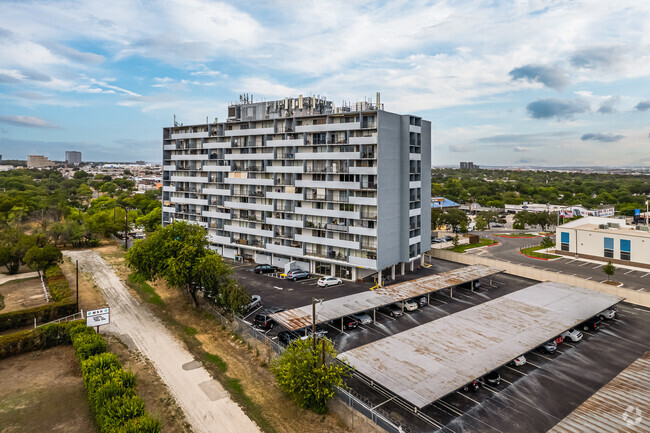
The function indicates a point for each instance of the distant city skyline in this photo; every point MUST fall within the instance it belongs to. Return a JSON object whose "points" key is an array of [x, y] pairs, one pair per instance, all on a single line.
{"points": [[536, 83]]}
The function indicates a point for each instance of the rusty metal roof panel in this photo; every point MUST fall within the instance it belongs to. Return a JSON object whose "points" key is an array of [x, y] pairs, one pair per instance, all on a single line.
{"points": [[622, 405], [430, 361], [340, 307]]}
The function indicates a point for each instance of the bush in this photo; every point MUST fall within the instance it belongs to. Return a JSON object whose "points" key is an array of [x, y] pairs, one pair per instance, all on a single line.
{"points": [[57, 283], [37, 339], [44, 313], [88, 344]]}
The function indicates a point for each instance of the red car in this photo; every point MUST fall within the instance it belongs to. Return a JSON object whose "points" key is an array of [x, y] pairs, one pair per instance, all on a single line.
{"points": [[559, 340]]}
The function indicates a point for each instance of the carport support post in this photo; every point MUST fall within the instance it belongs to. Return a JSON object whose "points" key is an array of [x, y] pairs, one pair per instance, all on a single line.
{"points": [[403, 268], [472, 285], [451, 292], [392, 273]]}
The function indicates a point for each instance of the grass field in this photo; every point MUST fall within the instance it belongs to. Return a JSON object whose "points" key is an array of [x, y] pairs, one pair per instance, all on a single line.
{"points": [[532, 252], [481, 243]]}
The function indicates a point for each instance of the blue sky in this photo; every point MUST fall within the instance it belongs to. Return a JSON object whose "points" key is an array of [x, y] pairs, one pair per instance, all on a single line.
{"points": [[503, 83]]}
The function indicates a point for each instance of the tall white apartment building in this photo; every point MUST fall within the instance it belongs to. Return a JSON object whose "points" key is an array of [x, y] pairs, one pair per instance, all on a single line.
{"points": [[337, 191]]}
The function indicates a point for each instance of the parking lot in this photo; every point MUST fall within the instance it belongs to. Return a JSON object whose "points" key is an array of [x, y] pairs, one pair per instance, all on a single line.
{"points": [[530, 398]]}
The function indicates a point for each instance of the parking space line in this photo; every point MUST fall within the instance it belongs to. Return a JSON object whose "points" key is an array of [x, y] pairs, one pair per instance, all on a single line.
{"points": [[545, 357], [568, 344], [492, 390], [534, 365], [467, 397], [559, 351], [631, 270], [644, 275], [588, 278], [515, 370], [597, 266], [574, 260], [585, 263]]}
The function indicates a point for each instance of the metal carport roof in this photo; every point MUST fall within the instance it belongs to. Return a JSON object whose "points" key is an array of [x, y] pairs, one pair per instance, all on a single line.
{"points": [[301, 317], [621, 406], [430, 361]]}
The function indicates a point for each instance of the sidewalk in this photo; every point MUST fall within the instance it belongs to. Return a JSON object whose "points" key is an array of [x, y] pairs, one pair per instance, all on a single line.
{"points": [[6, 278]]}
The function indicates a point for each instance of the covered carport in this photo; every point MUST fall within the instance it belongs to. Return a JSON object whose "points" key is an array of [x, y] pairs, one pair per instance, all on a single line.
{"points": [[428, 362], [339, 308]]}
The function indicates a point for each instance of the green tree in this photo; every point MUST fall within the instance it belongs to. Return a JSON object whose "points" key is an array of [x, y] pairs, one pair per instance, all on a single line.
{"points": [[178, 254], [481, 223], [301, 373], [215, 278], [609, 270], [521, 220], [41, 258], [454, 218], [547, 242], [151, 221], [13, 247], [436, 218]]}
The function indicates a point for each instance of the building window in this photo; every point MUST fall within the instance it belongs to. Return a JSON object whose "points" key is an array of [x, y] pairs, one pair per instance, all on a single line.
{"points": [[564, 241], [609, 248], [323, 268], [625, 249]]}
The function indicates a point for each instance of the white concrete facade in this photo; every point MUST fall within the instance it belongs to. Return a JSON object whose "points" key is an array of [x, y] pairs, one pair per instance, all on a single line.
{"points": [[298, 180]]}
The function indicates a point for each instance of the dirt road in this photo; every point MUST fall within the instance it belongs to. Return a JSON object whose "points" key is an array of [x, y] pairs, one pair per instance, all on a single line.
{"points": [[206, 404]]}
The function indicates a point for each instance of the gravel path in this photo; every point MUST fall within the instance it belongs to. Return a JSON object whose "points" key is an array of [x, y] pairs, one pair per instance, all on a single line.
{"points": [[206, 403]]}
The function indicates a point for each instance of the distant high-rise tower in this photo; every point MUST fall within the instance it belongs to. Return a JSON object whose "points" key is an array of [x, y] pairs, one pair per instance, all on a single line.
{"points": [[72, 157], [468, 166]]}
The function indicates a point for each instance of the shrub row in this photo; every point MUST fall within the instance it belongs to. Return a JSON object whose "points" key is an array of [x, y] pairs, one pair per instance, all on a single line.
{"points": [[44, 313], [111, 389], [57, 283], [35, 339]]}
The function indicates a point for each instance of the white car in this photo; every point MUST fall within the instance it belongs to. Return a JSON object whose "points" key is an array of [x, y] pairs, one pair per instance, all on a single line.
{"points": [[572, 334], [519, 361], [329, 281], [408, 305], [363, 318], [610, 313]]}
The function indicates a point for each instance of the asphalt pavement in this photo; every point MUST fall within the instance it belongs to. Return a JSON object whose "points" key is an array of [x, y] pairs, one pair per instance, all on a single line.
{"points": [[635, 279]]}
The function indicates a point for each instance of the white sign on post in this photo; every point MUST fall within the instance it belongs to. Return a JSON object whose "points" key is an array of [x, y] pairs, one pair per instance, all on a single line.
{"points": [[98, 317]]}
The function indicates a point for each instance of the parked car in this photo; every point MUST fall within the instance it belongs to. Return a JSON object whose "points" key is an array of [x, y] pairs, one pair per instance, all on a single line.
{"points": [[297, 274], [496, 226], [472, 386], [437, 240], [519, 361], [493, 378], [549, 347], [392, 309], [265, 269], [572, 334], [408, 305], [320, 332], [329, 281], [287, 337], [363, 318], [609, 313], [256, 302], [350, 322], [263, 320], [468, 285], [421, 301], [592, 324], [559, 340], [448, 238]]}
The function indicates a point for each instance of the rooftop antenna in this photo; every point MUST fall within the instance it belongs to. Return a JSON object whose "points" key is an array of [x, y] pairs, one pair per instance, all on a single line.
{"points": [[175, 122]]}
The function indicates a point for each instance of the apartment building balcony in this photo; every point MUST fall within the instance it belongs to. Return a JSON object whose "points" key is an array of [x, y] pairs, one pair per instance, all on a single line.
{"points": [[369, 201], [358, 230], [286, 143], [284, 169], [415, 184], [216, 239], [283, 195], [363, 140], [415, 156], [168, 188], [217, 214], [246, 132], [415, 212], [284, 249], [169, 146], [197, 179], [190, 157], [362, 170], [170, 209], [328, 241], [217, 145], [186, 200], [342, 228], [415, 128], [327, 155], [248, 181], [363, 262], [185, 135], [262, 156], [248, 206], [217, 191], [330, 184], [415, 240], [216, 167], [284, 222], [332, 198], [327, 127], [340, 214], [248, 230], [169, 167]]}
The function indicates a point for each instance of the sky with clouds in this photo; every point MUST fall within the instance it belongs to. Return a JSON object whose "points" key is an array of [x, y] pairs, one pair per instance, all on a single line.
{"points": [[541, 83]]}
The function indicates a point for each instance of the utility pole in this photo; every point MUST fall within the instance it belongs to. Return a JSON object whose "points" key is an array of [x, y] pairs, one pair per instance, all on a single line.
{"points": [[126, 229], [646, 212], [313, 323], [77, 263], [323, 350]]}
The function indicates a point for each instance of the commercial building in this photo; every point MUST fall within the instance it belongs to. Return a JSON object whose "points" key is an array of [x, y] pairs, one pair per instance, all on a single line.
{"points": [[72, 157], [605, 239], [567, 211], [468, 166], [337, 191], [39, 161]]}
